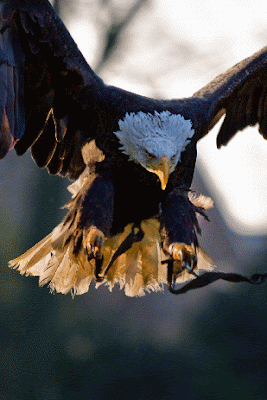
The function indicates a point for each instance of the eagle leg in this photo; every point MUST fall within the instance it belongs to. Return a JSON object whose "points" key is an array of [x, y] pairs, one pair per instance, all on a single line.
{"points": [[93, 242], [179, 228], [90, 217]]}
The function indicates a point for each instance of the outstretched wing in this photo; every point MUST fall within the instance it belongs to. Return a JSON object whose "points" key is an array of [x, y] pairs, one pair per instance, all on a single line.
{"points": [[46, 82], [241, 94]]}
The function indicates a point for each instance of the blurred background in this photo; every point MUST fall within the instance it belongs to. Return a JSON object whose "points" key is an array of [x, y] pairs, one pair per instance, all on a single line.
{"points": [[208, 344]]}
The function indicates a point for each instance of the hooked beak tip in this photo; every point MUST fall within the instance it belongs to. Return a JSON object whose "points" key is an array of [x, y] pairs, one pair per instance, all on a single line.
{"points": [[164, 171], [163, 185]]}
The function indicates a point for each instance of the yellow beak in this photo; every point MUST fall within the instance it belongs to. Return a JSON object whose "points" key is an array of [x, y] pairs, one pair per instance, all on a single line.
{"points": [[163, 171]]}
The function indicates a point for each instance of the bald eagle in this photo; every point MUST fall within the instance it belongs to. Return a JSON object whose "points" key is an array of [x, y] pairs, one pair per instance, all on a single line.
{"points": [[132, 218]]}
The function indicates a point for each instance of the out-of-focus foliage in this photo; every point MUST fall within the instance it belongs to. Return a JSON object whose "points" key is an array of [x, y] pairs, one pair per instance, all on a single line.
{"points": [[207, 345]]}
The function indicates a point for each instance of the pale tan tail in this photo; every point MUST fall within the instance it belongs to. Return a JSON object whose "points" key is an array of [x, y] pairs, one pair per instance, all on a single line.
{"points": [[137, 270]]}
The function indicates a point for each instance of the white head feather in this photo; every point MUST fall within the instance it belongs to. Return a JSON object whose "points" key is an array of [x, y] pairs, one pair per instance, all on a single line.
{"points": [[161, 134]]}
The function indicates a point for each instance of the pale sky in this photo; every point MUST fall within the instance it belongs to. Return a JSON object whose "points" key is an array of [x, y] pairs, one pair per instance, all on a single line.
{"points": [[223, 34]]}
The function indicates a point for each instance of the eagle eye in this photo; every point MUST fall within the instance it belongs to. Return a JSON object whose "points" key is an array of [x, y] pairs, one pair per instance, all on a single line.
{"points": [[173, 157], [150, 156]]}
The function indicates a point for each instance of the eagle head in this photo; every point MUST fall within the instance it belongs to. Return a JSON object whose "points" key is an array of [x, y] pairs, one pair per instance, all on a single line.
{"points": [[155, 141]]}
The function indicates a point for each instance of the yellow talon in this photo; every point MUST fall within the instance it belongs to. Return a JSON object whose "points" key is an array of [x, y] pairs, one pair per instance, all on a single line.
{"points": [[183, 258], [93, 242]]}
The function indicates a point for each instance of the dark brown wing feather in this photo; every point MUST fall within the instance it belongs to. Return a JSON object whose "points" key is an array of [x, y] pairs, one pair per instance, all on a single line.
{"points": [[66, 103], [11, 78], [241, 94], [52, 96]]}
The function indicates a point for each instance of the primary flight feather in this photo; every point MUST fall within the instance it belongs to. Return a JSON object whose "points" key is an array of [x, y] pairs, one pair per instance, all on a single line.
{"points": [[132, 219]]}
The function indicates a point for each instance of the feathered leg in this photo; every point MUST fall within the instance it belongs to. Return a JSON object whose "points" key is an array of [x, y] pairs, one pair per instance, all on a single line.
{"points": [[95, 220], [179, 228], [91, 213]]}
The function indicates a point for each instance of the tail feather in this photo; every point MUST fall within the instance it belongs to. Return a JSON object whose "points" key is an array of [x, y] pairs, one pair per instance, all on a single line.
{"points": [[59, 267], [31, 258], [138, 270]]}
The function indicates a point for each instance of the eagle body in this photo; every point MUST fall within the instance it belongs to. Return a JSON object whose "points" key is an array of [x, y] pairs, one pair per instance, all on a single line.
{"points": [[132, 218]]}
